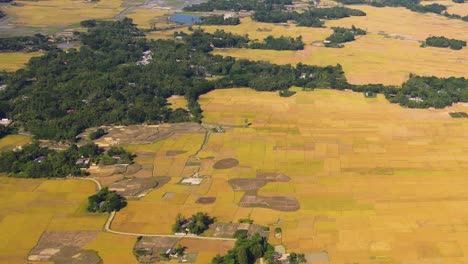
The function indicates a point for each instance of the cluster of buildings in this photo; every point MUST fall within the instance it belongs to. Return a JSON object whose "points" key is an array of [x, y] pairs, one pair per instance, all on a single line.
{"points": [[146, 58]]}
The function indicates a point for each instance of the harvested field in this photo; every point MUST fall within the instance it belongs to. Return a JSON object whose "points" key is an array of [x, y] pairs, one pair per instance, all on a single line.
{"points": [[229, 230], [242, 184], [141, 134], [226, 164], [171, 153], [206, 249], [138, 187], [149, 249], [206, 200], [280, 203], [273, 177], [65, 247]]}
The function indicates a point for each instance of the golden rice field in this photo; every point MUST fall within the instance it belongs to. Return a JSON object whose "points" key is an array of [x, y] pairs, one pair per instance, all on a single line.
{"points": [[376, 182], [30, 207], [60, 13], [12, 61], [144, 17]]}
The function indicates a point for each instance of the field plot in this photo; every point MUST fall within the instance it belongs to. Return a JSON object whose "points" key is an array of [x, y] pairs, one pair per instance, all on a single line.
{"points": [[12, 61], [12, 141], [38, 13], [177, 101], [375, 182], [30, 209], [145, 18]]}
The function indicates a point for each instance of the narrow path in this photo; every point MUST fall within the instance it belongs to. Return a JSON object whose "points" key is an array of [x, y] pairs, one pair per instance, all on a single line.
{"points": [[107, 226]]}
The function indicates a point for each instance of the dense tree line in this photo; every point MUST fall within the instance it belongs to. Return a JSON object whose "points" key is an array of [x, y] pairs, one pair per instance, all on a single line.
{"points": [[197, 224], [281, 43], [342, 35], [443, 42], [29, 43], [105, 201], [5, 130], [236, 5], [309, 18], [246, 251], [219, 20], [458, 1]]}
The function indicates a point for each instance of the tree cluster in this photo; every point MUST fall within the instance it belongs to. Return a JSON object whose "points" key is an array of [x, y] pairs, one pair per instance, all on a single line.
{"points": [[309, 18], [281, 43], [97, 134], [105, 201], [116, 155], [236, 5], [443, 42], [34, 161], [197, 224], [219, 20], [5, 130], [246, 251], [342, 35], [25, 43]]}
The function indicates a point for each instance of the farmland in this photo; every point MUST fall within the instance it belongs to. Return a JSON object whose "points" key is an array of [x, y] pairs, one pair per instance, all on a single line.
{"points": [[368, 187], [12, 61]]}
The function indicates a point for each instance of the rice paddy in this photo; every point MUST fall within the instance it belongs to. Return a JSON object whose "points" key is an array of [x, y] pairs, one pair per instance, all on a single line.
{"points": [[12, 61]]}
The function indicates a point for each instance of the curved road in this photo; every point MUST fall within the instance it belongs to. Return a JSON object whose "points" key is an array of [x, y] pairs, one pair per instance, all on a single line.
{"points": [[107, 226]]}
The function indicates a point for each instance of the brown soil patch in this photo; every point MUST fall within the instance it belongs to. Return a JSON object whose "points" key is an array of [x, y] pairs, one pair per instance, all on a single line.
{"points": [[138, 187], [171, 153], [226, 164], [140, 134], [273, 177], [65, 247], [228, 230], [245, 184], [280, 203], [206, 200], [148, 249], [132, 169]]}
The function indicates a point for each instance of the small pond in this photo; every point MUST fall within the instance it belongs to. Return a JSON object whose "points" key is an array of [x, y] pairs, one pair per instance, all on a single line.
{"points": [[185, 19]]}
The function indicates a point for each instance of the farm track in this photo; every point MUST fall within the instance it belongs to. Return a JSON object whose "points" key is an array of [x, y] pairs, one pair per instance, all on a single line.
{"points": [[107, 226]]}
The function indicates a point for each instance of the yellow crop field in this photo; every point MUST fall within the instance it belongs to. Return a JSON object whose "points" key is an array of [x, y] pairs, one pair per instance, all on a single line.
{"points": [[370, 59], [12, 61], [61, 13], [30, 207], [452, 8], [177, 102], [12, 141]]}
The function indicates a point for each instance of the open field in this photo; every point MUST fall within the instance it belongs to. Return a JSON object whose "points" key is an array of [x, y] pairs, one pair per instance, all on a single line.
{"points": [[38, 13], [374, 181], [388, 54], [452, 8], [145, 17], [30, 207], [12, 61], [177, 102]]}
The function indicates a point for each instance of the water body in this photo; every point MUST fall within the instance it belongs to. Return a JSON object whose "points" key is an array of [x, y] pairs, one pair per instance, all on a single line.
{"points": [[185, 19]]}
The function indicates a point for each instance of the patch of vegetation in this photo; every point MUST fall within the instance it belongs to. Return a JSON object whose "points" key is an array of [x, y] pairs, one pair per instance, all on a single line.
{"points": [[286, 93], [281, 43], [342, 35], [97, 134], [2, 14], [197, 224], [308, 18], [26, 43], [235, 5], [105, 201], [458, 115], [458, 1], [246, 250], [245, 221], [443, 42], [295, 258], [116, 155], [5, 130], [219, 20], [33, 161]]}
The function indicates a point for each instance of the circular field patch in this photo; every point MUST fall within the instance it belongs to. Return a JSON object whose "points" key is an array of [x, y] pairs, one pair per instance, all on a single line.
{"points": [[226, 164], [206, 200]]}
